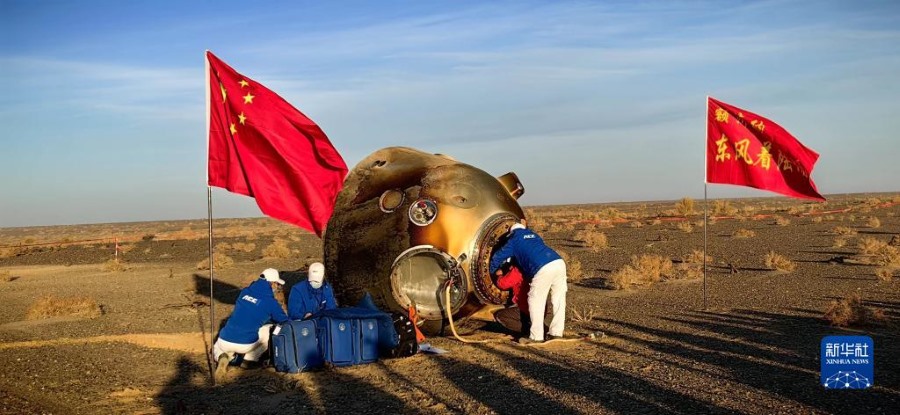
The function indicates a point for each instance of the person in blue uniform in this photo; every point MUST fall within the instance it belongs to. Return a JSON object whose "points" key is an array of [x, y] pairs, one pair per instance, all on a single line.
{"points": [[248, 327], [311, 296], [545, 273]]}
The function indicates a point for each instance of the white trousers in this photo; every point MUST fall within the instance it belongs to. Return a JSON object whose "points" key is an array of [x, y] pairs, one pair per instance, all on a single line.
{"points": [[549, 280], [251, 351]]}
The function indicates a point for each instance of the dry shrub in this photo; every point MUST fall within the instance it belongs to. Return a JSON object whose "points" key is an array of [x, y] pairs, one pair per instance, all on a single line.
{"points": [[278, 249], [243, 246], [611, 213], [884, 274], [10, 252], [643, 270], [829, 217], [538, 223], [556, 227], [873, 222], [655, 222], [850, 311], [895, 240], [220, 261], [878, 252], [685, 207], [582, 314], [723, 208], [699, 224], [52, 306], [113, 266], [685, 227], [743, 233], [843, 230], [691, 266], [688, 271], [624, 278], [573, 266], [851, 218], [782, 221], [636, 224], [187, 233], [696, 257], [779, 262], [839, 242], [873, 202], [816, 219], [282, 384], [869, 245], [594, 240], [223, 247]]}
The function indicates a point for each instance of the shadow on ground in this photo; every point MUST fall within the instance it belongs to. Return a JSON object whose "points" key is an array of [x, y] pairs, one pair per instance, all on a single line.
{"points": [[773, 352]]}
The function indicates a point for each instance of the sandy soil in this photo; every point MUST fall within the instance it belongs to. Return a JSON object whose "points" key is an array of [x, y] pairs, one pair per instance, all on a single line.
{"points": [[754, 348]]}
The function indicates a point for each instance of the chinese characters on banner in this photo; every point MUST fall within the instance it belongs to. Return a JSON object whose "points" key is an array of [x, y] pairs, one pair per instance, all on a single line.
{"points": [[746, 149], [263, 147]]}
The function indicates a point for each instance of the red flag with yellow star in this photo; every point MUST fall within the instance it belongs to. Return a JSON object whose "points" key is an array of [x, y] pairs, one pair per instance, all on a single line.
{"points": [[745, 149], [262, 147]]}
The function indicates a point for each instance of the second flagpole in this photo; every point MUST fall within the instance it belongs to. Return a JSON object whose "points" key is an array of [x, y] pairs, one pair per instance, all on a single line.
{"points": [[705, 200]]}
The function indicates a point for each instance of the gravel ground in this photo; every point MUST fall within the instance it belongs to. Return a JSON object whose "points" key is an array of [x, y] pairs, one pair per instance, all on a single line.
{"points": [[753, 349]]}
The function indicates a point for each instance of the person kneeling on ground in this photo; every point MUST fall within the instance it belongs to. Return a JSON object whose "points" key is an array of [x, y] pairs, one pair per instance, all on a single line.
{"points": [[510, 278], [311, 296], [247, 330], [545, 271]]}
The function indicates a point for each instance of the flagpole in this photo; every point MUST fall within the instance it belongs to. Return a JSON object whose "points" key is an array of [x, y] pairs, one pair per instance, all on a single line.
{"points": [[705, 199], [212, 277]]}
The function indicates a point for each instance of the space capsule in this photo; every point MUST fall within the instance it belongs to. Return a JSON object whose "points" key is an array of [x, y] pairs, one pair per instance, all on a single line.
{"points": [[407, 223]]}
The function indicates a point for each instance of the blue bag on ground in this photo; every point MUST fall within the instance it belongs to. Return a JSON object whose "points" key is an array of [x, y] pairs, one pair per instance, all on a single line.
{"points": [[388, 338], [296, 348], [354, 335]]}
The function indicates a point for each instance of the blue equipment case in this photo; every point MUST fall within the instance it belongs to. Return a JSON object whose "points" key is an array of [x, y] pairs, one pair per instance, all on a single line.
{"points": [[348, 341], [296, 347]]}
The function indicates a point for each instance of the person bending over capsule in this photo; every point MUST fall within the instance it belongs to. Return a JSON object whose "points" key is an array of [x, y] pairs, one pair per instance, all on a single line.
{"points": [[545, 272]]}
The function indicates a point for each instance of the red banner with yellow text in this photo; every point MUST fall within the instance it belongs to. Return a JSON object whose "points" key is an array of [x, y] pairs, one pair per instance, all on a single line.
{"points": [[745, 149], [262, 147]]}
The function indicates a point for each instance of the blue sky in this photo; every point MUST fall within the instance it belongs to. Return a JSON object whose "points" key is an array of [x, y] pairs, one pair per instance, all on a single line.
{"points": [[103, 107]]}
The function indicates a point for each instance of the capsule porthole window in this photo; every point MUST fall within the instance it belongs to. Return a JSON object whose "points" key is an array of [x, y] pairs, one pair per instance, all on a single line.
{"points": [[422, 212]]}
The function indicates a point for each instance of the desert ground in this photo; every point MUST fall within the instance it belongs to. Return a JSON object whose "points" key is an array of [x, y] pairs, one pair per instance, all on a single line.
{"points": [[84, 332]]}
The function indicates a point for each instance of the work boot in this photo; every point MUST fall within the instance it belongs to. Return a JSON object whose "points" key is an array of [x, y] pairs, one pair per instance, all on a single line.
{"points": [[563, 337], [222, 366], [528, 340], [252, 365]]}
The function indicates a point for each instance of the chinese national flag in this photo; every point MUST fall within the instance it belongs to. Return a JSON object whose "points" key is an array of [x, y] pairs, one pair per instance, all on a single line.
{"points": [[262, 147], [745, 149]]}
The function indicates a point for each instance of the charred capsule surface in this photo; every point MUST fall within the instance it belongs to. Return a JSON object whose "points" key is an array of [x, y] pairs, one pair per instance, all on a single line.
{"points": [[407, 222]]}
